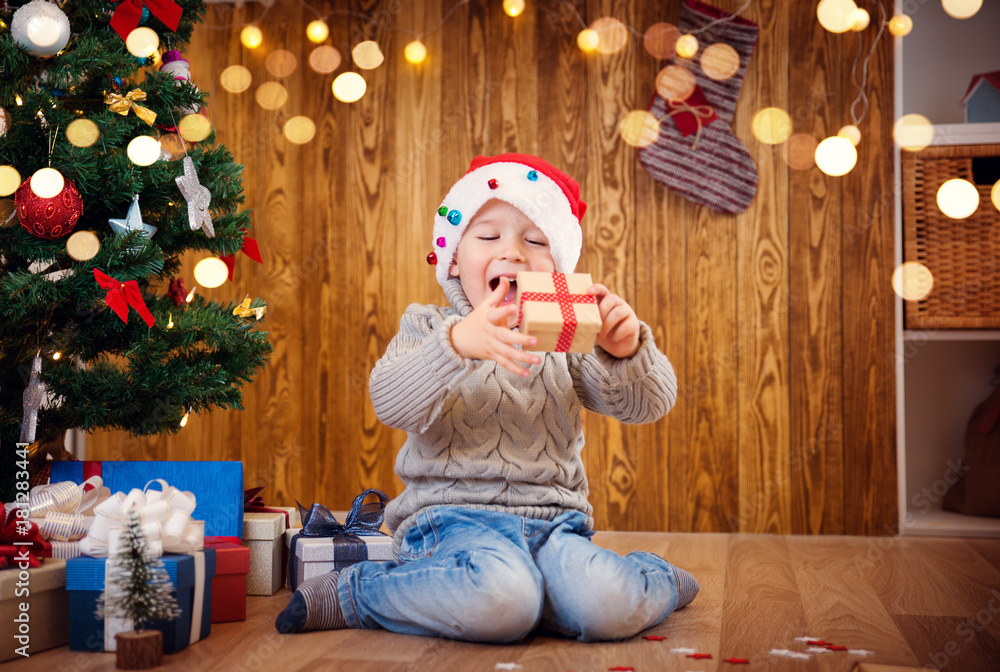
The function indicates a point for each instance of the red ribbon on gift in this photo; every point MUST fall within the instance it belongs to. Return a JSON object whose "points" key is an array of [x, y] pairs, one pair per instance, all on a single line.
{"points": [[121, 295], [254, 503], [249, 248], [20, 540], [129, 12], [565, 301]]}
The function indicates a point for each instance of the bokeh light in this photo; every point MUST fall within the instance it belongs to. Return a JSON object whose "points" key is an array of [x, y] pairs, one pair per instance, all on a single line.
{"points": [[236, 79], [83, 245], [912, 281], [686, 46], [900, 25], [349, 87], [48, 182], [211, 272], [513, 7], [82, 133], [639, 128], [271, 95], [251, 37], [317, 31], [659, 40], [143, 150], [194, 127], [10, 180], [588, 39], [836, 156], [860, 23], [415, 52], [837, 16], [367, 55], [771, 125], [142, 42], [851, 132], [958, 198], [324, 59], [961, 9], [720, 61], [675, 83], [800, 151], [300, 130], [994, 195], [913, 132], [280, 63], [612, 33]]}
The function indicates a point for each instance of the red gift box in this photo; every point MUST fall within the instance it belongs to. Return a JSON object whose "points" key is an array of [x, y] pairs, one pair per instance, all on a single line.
{"points": [[229, 587]]}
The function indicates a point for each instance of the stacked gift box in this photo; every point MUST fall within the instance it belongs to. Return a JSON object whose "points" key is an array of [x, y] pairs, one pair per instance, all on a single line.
{"points": [[46, 618]]}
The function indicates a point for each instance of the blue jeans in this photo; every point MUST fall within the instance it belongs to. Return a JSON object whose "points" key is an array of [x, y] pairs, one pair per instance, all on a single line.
{"points": [[487, 576]]}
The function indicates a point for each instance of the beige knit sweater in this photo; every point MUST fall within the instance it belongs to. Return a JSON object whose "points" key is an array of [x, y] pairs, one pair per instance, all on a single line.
{"points": [[483, 437]]}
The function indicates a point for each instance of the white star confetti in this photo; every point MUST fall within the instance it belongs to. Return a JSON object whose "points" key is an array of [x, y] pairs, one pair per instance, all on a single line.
{"points": [[685, 651], [198, 199], [807, 639], [860, 652], [507, 666], [818, 649], [132, 222]]}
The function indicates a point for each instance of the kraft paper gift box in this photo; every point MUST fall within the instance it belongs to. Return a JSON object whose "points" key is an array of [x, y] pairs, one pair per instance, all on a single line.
{"points": [[46, 619], [229, 587], [262, 534], [554, 308], [192, 578], [217, 486]]}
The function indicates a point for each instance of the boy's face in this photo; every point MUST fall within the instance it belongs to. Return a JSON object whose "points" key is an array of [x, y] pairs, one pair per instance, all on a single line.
{"points": [[499, 241]]}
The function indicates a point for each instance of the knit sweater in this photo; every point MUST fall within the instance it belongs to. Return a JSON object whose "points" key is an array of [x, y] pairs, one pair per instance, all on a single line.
{"points": [[483, 437]]}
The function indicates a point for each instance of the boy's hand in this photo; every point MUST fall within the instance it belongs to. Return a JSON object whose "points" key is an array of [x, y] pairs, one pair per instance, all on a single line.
{"points": [[484, 334], [619, 335]]}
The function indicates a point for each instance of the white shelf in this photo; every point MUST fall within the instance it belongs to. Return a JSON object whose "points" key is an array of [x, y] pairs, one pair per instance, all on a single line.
{"points": [[966, 134], [951, 335], [937, 523]]}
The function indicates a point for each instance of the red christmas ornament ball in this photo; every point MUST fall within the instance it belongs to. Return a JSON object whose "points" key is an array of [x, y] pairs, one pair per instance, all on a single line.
{"points": [[48, 217]]}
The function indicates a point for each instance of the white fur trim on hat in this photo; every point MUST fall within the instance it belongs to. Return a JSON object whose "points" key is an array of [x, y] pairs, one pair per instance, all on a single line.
{"points": [[541, 199]]}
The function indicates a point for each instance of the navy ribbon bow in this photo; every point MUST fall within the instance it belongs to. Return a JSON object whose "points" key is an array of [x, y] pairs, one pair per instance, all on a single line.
{"points": [[363, 520]]}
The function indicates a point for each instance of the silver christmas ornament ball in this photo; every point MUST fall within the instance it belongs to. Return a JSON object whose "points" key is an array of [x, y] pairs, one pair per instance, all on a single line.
{"points": [[40, 28]]}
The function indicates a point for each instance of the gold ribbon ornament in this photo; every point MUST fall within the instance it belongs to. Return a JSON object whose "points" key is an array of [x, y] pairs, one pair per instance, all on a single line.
{"points": [[244, 309], [122, 104]]}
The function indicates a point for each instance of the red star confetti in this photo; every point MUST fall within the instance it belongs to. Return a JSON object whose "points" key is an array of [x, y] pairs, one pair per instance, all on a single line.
{"points": [[817, 642], [835, 647], [619, 668], [653, 638], [699, 656], [736, 661]]}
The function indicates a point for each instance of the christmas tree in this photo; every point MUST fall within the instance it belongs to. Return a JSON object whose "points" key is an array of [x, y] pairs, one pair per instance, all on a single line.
{"points": [[139, 588], [98, 330]]}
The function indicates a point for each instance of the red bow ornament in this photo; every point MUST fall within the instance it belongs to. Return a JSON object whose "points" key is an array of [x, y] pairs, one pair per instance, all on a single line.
{"points": [[121, 295], [19, 540], [249, 248], [129, 12]]}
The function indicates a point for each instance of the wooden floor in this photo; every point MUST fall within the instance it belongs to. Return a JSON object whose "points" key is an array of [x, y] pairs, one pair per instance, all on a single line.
{"points": [[912, 601]]}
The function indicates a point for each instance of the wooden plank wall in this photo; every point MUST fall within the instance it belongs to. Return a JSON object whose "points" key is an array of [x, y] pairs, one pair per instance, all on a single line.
{"points": [[778, 321]]}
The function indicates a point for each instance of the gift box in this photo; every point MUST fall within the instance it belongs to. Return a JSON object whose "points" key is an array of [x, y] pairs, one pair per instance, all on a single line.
{"points": [[262, 534], [192, 578], [47, 618], [217, 486], [324, 545], [554, 308], [229, 587]]}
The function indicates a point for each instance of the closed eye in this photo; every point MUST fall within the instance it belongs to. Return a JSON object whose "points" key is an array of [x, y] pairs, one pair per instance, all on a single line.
{"points": [[541, 243]]}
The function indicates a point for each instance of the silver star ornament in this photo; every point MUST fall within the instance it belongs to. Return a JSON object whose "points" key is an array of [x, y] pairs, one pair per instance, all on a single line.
{"points": [[132, 222], [198, 198]]}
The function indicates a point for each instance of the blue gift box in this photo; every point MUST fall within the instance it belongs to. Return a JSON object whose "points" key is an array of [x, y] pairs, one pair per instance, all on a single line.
{"points": [[217, 486], [85, 583]]}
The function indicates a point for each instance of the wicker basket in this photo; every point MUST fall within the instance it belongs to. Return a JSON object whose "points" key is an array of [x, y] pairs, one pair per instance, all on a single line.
{"points": [[962, 254]]}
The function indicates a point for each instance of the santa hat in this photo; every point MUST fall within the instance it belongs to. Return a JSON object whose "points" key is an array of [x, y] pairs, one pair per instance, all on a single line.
{"points": [[547, 196]]}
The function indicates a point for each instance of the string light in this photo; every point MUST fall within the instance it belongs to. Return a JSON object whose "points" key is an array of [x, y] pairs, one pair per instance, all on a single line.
{"points": [[415, 52], [317, 31], [588, 39], [860, 23], [912, 281], [251, 37], [56, 355], [349, 87], [184, 420], [513, 7], [958, 198], [961, 9], [913, 132], [170, 320], [836, 156], [142, 42], [900, 25], [837, 16], [190, 296], [367, 55], [851, 132], [686, 46]]}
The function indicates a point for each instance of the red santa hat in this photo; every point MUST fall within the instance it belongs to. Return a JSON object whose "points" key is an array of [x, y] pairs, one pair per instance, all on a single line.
{"points": [[546, 195]]}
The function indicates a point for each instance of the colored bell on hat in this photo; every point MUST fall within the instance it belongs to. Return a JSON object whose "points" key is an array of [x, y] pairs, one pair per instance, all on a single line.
{"points": [[493, 184], [455, 217], [533, 175], [432, 259], [442, 211]]}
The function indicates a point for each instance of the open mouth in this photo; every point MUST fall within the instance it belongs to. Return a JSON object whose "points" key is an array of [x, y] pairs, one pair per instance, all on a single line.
{"points": [[511, 291]]}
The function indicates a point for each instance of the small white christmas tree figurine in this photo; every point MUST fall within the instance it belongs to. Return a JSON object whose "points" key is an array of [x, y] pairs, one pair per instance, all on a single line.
{"points": [[140, 590]]}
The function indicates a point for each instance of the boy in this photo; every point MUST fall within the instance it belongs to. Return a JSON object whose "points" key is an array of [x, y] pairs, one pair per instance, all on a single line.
{"points": [[492, 531]]}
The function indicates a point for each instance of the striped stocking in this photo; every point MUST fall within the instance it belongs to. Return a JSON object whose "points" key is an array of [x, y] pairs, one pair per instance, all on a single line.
{"points": [[711, 166]]}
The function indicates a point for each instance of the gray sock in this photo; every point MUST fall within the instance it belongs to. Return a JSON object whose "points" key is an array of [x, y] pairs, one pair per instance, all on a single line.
{"points": [[687, 587], [314, 606]]}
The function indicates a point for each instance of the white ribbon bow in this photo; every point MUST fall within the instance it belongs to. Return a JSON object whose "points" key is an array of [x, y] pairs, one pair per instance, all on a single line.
{"points": [[63, 511], [165, 516]]}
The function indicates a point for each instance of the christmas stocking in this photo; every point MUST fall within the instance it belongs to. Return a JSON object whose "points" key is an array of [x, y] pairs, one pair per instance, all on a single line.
{"points": [[696, 153]]}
